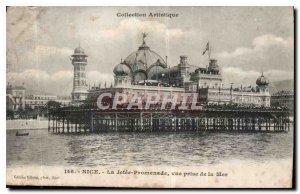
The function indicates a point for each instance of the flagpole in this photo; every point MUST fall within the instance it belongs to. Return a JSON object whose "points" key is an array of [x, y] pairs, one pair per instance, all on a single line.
{"points": [[209, 50]]}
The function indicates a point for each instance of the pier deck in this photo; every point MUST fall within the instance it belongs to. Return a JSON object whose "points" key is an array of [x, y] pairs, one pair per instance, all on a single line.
{"points": [[81, 120]]}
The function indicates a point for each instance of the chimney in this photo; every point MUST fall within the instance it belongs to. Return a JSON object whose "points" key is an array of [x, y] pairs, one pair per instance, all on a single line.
{"points": [[183, 60], [213, 62]]}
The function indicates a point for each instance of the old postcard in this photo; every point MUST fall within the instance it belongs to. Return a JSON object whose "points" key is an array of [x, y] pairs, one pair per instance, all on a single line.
{"points": [[150, 97]]}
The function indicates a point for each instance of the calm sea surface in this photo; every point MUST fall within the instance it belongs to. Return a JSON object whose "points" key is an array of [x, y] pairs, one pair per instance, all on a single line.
{"points": [[144, 149]]}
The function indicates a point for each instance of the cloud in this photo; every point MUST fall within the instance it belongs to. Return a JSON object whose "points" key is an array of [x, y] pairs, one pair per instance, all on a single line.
{"points": [[270, 39], [237, 52], [39, 42], [136, 26], [36, 56], [62, 75], [175, 34], [96, 77], [41, 52], [21, 22], [29, 74], [258, 44]]}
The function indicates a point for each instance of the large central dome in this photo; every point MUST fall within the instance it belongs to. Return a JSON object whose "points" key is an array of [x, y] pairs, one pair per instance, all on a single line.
{"points": [[143, 60]]}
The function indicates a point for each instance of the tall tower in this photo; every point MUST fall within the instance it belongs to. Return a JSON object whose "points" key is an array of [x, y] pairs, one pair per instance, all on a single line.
{"points": [[184, 68], [79, 61]]}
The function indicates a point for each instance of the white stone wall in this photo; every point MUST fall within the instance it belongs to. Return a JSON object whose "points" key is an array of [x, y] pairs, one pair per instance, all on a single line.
{"points": [[121, 81], [238, 97]]}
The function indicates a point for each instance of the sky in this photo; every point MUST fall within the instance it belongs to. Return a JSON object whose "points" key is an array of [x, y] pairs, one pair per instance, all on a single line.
{"points": [[245, 40]]}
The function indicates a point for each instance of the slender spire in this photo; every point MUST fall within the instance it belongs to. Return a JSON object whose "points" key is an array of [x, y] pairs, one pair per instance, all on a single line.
{"points": [[144, 46], [209, 51], [144, 36], [167, 60], [146, 65], [135, 61]]}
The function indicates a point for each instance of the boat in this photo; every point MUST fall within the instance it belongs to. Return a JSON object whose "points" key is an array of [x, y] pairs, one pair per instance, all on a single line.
{"points": [[22, 134]]}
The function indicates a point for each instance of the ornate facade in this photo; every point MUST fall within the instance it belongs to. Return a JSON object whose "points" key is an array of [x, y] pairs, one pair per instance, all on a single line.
{"points": [[283, 99], [146, 70]]}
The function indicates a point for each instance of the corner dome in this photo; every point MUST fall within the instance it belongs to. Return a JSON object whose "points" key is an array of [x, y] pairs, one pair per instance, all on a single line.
{"points": [[122, 69], [262, 80]]}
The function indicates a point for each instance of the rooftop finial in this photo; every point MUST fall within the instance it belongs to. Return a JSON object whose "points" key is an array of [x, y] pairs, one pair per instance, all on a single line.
{"points": [[167, 60], [144, 36]]}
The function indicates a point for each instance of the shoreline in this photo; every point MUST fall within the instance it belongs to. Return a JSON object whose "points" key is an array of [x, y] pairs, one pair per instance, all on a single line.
{"points": [[26, 124]]}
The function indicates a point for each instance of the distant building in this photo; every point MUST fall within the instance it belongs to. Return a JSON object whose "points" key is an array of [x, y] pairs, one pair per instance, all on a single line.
{"points": [[35, 101], [15, 97], [283, 99]]}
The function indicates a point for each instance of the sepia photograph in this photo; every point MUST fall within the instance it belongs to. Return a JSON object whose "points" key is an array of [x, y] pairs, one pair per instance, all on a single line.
{"points": [[150, 97]]}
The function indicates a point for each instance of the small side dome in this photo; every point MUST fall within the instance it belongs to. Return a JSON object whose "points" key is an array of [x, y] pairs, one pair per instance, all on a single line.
{"points": [[262, 81], [79, 50], [122, 69]]}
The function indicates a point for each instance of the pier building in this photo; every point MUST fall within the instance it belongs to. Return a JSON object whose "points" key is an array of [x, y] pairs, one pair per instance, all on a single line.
{"points": [[144, 73]]}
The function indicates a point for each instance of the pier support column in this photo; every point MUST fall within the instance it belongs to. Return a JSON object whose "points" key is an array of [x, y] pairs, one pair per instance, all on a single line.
{"points": [[53, 124], [151, 122], [92, 122], [141, 121], [75, 126], [63, 124], [49, 120], [116, 122], [56, 124], [68, 126]]}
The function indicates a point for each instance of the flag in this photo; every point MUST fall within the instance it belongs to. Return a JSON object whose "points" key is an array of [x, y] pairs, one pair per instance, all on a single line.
{"points": [[206, 48]]}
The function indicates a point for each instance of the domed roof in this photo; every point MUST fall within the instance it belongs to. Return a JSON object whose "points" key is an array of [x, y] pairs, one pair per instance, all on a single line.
{"points": [[122, 69], [143, 57], [262, 80], [79, 50]]}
